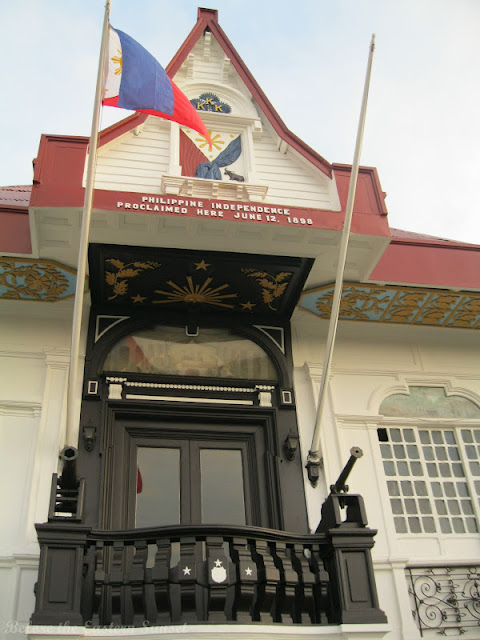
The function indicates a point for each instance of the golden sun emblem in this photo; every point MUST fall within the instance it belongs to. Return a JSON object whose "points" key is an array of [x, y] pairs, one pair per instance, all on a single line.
{"points": [[217, 141], [118, 60], [196, 293]]}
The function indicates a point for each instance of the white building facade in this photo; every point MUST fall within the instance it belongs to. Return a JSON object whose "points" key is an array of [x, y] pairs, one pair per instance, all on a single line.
{"points": [[185, 506]]}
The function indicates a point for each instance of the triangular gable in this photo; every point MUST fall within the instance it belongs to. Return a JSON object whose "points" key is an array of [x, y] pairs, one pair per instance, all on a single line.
{"points": [[208, 20]]}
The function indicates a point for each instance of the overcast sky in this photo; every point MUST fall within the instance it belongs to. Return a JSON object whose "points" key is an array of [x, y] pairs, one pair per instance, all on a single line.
{"points": [[309, 57]]}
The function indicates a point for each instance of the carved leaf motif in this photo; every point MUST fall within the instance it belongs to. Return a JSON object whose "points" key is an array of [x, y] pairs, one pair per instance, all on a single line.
{"points": [[146, 265], [110, 278], [266, 283], [279, 289], [120, 288], [116, 263], [267, 296], [282, 275], [128, 273]]}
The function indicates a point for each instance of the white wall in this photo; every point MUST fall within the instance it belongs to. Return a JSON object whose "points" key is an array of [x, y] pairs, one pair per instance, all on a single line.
{"points": [[34, 355], [370, 362]]}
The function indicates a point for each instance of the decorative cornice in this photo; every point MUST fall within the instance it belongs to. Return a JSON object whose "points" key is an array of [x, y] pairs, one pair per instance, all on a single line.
{"points": [[20, 408], [397, 305], [30, 279]]}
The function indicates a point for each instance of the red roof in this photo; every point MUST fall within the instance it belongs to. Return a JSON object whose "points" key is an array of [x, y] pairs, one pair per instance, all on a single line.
{"points": [[15, 196]]}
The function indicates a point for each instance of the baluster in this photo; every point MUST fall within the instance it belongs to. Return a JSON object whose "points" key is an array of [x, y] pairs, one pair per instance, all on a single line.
{"points": [[118, 609], [220, 574], [136, 580], [266, 607], [103, 589], [322, 597], [158, 606], [187, 578], [287, 584], [246, 581], [304, 603]]}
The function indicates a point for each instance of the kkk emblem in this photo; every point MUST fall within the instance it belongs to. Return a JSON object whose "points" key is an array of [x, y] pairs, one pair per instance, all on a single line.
{"points": [[218, 573]]}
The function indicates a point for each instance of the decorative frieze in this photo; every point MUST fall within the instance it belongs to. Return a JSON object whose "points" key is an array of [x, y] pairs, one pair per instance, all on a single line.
{"points": [[397, 305]]}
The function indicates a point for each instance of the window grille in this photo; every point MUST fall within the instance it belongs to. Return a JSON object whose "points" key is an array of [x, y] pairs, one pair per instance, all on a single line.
{"points": [[433, 478]]}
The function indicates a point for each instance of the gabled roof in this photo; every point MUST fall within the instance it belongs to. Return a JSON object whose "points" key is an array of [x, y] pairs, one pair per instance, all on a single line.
{"points": [[207, 19]]}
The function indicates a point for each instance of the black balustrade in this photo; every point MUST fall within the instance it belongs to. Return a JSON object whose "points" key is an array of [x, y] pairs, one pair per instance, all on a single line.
{"points": [[209, 573]]}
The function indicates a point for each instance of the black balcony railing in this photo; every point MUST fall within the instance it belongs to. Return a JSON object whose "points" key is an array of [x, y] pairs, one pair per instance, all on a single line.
{"points": [[208, 573]]}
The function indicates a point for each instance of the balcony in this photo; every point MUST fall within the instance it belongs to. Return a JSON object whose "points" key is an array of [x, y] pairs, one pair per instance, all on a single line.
{"points": [[208, 573]]}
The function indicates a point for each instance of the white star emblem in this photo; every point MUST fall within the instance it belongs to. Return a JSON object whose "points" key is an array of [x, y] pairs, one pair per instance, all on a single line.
{"points": [[248, 571], [218, 563], [186, 571]]}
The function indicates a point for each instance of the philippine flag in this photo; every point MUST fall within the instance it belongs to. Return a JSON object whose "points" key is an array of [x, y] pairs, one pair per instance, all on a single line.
{"points": [[136, 81]]}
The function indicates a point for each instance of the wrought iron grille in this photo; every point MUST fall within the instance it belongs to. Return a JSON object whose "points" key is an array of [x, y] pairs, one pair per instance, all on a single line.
{"points": [[445, 599]]}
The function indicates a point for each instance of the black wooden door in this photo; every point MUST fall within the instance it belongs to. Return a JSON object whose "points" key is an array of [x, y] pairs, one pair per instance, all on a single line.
{"points": [[189, 472]]}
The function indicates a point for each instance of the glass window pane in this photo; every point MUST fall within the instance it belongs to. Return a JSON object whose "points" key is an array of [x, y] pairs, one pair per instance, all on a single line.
{"points": [[432, 470], [472, 525], [386, 450], [409, 436], [412, 450], [407, 488], [428, 453], [424, 505], [157, 468], [462, 489], [437, 437], [416, 468], [393, 489], [437, 489], [167, 350], [440, 453], [449, 489], [445, 470], [471, 452], [467, 507], [420, 488], [424, 437], [389, 468], [467, 435], [458, 470], [402, 469], [449, 437], [453, 453], [445, 525], [454, 507], [399, 450], [475, 468], [400, 525], [410, 505], [222, 490], [414, 524], [395, 435], [441, 507], [429, 525], [397, 506], [458, 525]]}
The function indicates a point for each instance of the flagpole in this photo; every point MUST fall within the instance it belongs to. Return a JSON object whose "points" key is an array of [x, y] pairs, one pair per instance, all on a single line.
{"points": [[313, 459], [83, 248]]}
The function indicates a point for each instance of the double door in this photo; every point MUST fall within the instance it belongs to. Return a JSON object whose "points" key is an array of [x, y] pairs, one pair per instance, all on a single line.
{"points": [[186, 471]]}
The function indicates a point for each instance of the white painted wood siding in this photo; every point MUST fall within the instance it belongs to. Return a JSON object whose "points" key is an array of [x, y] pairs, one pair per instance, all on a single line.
{"points": [[136, 163]]}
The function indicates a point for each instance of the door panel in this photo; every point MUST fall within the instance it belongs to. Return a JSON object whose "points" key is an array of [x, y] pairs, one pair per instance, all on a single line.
{"points": [[222, 484], [189, 473]]}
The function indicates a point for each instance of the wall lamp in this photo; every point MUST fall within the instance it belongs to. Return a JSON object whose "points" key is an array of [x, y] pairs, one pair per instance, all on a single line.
{"points": [[89, 433], [291, 445]]}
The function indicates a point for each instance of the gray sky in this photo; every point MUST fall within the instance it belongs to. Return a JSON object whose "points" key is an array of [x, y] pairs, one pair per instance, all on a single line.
{"points": [[309, 57]]}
